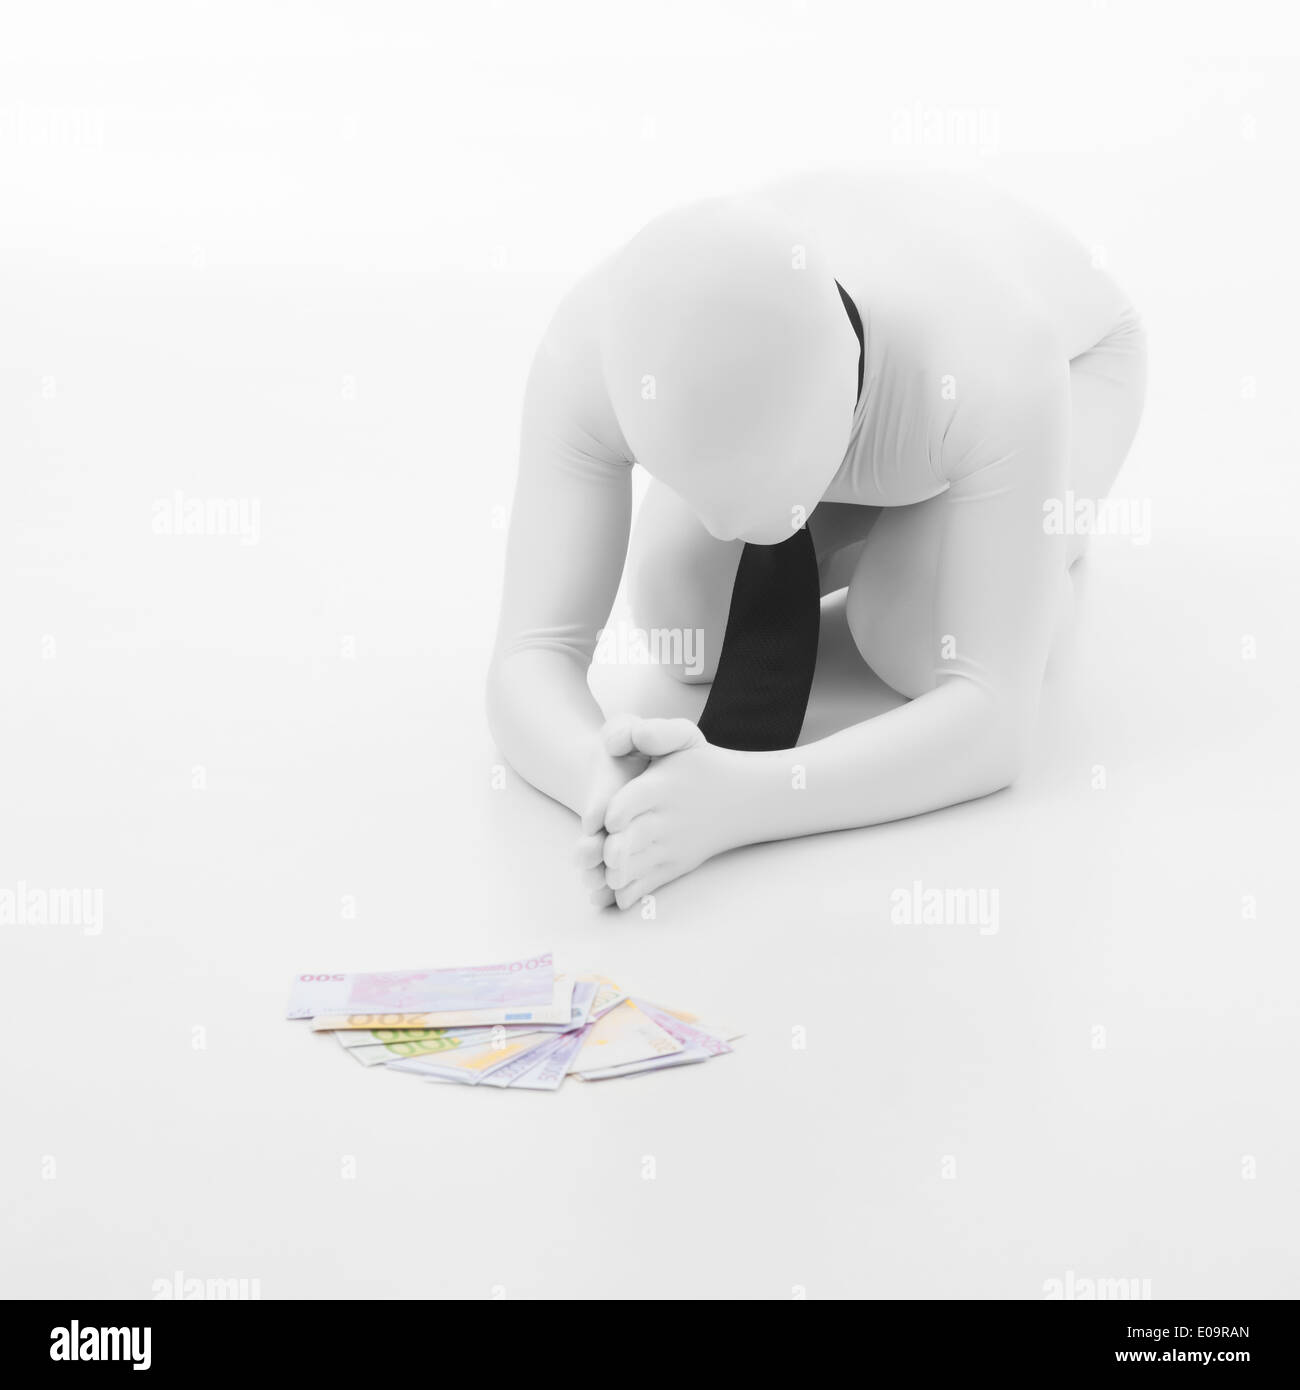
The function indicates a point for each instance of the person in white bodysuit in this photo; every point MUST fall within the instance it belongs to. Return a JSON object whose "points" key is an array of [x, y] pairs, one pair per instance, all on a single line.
{"points": [[1001, 371]]}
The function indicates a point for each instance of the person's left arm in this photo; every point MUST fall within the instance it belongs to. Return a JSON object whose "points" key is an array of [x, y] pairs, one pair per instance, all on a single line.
{"points": [[997, 594]]}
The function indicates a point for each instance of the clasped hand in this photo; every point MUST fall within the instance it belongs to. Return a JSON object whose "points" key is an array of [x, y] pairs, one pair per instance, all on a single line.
{"points": [[658, 807]]}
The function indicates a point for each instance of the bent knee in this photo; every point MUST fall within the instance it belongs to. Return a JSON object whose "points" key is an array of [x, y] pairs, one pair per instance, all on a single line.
{"points": [[680, 580], [889, 606], [680, 613], [898, 652], [684, 653]]}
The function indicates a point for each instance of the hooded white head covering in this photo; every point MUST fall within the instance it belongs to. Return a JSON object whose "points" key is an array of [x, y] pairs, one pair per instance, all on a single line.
{"points": [[731, 364]]}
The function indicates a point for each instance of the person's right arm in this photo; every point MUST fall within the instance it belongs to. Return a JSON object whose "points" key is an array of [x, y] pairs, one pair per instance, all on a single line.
{"points": [[568, 540]]}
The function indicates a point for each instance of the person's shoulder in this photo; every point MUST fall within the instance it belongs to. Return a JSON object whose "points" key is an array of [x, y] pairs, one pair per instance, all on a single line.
{"points": [[567, 381], [575, 325]]}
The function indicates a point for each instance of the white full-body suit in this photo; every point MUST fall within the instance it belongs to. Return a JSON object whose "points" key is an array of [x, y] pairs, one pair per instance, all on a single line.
{"points": [[1002, 372]]}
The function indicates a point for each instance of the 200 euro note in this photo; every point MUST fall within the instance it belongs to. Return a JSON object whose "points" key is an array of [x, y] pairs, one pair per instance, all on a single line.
{"points": [[559, 1010], [367, 1040], [472, 1064]]}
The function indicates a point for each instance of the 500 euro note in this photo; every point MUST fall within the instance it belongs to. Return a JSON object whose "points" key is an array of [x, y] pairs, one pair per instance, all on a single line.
{"points": [[548, 1073], [686, 1030], [608, 995], [625, 1034], [688, 1055], [698, 1045], [627, 1037], [528, 1062], [468, 989]]}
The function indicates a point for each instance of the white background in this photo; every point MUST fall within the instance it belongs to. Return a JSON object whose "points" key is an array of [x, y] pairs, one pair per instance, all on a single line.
{"points": [[300, 255]]}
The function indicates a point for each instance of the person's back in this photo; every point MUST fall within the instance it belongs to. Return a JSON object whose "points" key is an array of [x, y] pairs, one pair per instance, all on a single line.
{"points": [[931, 235]]}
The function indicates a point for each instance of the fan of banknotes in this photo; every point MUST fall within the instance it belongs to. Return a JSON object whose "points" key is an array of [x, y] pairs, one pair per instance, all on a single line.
{"points": [[516, 1024]]}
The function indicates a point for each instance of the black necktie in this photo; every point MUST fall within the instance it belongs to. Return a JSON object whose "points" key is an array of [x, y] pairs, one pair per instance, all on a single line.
{"points": [[769, 649]]}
